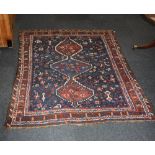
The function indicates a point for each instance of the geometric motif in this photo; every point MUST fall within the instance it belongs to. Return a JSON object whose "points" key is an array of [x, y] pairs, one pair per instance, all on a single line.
{"points": [[72, 90], [68, 47], [71, 67]]}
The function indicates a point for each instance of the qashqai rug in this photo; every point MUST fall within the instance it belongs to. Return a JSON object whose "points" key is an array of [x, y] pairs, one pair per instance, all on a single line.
{"points": [[74, 77]]}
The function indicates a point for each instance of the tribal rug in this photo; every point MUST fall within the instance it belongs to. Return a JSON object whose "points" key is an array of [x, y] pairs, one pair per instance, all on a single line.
{"points": [[74, 77]]}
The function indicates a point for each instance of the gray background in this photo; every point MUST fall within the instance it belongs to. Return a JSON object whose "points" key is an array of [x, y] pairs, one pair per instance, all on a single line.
{"points": [[130, 29]]}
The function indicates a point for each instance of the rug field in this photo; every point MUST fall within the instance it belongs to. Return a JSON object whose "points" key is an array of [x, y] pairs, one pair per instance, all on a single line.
{"points": [[74, 77]]}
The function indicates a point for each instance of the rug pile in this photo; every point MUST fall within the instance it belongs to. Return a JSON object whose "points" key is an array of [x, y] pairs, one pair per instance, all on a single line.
{"points": [[75, 77]]}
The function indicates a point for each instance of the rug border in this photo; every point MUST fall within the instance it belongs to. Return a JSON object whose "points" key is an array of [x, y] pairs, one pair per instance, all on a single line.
{"points": [[132, 74]]}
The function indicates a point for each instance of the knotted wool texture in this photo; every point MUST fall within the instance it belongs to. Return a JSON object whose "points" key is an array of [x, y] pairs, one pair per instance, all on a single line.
{"points": [[74, 77]]}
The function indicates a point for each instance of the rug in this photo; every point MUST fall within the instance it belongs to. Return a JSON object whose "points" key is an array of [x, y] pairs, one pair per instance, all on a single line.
{"points": [[74, 77]]}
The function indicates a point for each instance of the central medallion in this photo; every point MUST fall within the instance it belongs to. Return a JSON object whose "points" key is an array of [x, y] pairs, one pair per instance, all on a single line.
{"points": [[72, 90], [71, 67], [68, 47]]}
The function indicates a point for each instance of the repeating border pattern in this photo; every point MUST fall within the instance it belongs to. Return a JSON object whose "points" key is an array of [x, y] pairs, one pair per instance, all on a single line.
{"points": [[18, 115]]}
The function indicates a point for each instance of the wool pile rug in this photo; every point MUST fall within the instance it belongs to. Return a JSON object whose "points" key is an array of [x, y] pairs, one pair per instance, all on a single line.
{"points": [[74, 77]]}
